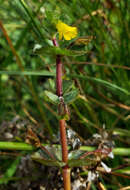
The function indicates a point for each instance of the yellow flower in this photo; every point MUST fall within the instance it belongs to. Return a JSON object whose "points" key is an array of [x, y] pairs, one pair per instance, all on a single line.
{"points": [[68, 32]]}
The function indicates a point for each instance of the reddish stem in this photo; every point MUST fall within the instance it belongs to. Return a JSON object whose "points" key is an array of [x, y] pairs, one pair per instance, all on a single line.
{"points": [[59, 93], [58, 76], [66, 169], [63, 141], [58, 72], [66, 177]]}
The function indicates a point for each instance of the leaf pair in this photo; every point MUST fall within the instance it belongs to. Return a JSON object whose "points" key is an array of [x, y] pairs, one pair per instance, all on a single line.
{"points": [[69, 97], [74, 160], [50, 50]]}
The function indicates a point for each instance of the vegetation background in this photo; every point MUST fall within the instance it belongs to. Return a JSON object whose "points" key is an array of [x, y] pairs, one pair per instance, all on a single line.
{"points": [[101, 76]]}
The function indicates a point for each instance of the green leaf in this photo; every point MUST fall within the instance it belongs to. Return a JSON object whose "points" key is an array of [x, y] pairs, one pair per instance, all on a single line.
{"points": [[30, 73], [67, 85], [124, 170], [69, 97], [75, 154], [16, 146], [34, 20], [80, 163], [41, 160], [107, 84], [52, 85], [58, 51], [55, 152], [121, 132], [53, 98], [110, 85], [10, 171]]}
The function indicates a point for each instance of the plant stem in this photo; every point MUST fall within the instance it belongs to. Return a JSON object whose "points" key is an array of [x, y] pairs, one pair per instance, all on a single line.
{"points": [[120, 151], [66, 169], [58, 76], [66, 178], [63, 141]]}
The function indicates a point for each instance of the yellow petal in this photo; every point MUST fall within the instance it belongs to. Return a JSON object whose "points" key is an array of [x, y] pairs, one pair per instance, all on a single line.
{"points": [[68, 32], [59, 27]]}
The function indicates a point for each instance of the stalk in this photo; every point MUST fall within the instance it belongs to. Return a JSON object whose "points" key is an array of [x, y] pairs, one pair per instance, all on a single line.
{"points": [[120, 151], [62, 123]]}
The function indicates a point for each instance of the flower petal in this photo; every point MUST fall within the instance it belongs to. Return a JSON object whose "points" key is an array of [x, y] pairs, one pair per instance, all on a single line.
{"points": [[67, 31]]}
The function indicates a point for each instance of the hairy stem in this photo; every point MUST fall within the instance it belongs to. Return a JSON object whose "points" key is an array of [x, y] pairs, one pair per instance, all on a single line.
{"points": [[63, 141], [62, 124]]}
